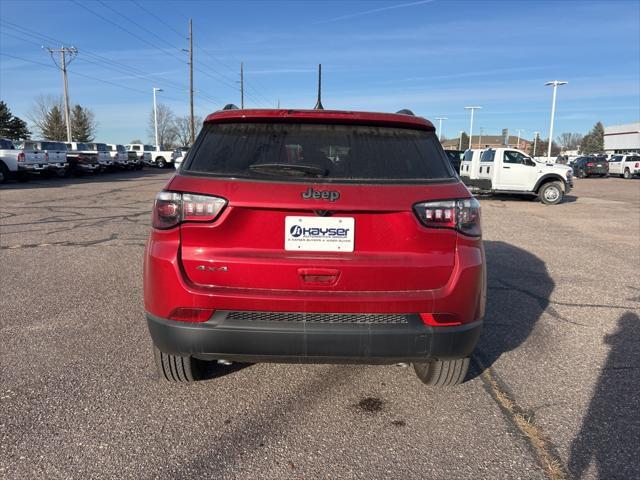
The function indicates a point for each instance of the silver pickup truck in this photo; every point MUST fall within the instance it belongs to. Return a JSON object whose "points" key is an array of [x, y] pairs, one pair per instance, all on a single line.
{"points": [[18, 163], [56, 153]]}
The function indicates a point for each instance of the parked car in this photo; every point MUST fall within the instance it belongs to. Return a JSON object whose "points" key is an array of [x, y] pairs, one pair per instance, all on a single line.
{"points": [[104, 157], [585, 167], [159, 158], [120, 156], [625, 165], [81, 159], [455, 157], [507, 170], [19, 163], [315, 236]]}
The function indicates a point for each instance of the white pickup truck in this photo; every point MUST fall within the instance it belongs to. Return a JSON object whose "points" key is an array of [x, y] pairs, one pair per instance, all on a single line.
{"points": [[160, 158], [507, 170], [56, 153], [625, 165], [19, 163]]}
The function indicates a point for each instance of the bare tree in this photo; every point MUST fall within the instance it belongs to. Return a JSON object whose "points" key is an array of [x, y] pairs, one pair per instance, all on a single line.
{"points": [[569, 141], [41, 111], [183, 130], [166, 127]]}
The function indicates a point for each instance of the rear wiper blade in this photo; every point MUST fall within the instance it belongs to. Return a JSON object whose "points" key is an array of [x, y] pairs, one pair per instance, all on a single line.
{"points": [[292, 169]]}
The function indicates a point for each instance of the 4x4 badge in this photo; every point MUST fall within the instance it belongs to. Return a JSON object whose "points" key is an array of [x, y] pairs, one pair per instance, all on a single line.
{"points": [[330, 195]]}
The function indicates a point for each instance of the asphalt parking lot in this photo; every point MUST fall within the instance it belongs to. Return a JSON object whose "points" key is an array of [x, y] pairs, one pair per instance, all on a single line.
{"points": [[554, 391]]}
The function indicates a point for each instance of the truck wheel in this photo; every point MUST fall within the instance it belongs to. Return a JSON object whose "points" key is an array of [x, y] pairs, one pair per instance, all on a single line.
{"points": [[161, 162], [4, 173], [176, 368], [551, 193], [442, 373], [627, 173]]}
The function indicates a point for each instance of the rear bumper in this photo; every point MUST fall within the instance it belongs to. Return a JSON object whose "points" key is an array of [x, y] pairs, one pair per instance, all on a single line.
{"points": [[312, 342]]}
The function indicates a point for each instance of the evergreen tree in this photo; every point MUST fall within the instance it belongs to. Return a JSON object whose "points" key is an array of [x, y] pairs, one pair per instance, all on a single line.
{"points": [[54, 127], [465, 141], [593, 142], [82, 124], [11, 127]]}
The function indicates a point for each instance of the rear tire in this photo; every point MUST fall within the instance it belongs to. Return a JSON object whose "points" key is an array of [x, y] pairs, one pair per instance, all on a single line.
{"points": [[627, 174], [161, 162], [442, 373], [176, 368], [551, 193], [4, 173]]}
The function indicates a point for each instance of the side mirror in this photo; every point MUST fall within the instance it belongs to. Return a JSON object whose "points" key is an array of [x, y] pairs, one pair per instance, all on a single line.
{"points": [[527, 161]]}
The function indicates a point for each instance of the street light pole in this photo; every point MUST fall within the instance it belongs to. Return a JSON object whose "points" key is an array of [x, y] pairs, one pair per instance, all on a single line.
{"points": [[155, 115], [535, 142], [440, 119], [555, 84], [480, 138], [473, 109], [519, 132]]}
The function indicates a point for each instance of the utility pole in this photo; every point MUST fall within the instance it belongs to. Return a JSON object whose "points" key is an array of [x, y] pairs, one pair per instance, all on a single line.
{"points": [[191, 118], [155, 116], [440, 119], [73, 53], [242, 85], [535, 142]]}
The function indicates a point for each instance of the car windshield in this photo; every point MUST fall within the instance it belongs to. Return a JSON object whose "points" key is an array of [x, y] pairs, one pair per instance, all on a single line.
{"points": [[326, 152]]}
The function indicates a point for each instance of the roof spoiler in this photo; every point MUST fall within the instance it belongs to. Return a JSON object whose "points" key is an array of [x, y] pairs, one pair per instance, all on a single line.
{"points": [[405, 111]]}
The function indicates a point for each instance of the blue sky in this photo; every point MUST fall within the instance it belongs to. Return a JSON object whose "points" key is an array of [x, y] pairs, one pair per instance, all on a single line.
{"points": [[433, 57]]}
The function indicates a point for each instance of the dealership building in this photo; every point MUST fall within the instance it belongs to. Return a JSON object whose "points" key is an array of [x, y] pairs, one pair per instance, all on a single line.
{"points": [[622, 138]]}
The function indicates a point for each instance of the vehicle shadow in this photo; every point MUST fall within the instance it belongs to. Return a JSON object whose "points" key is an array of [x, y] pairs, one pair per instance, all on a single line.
{"points": [[211, 370], [518, 291], [610, 432], [57, 182]]}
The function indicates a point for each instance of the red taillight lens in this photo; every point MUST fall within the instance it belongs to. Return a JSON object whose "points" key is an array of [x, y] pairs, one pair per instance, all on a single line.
{"points": [[170, 209], [21, 157], [462, 215], [590, 164], [637, 165], [191, 314]]}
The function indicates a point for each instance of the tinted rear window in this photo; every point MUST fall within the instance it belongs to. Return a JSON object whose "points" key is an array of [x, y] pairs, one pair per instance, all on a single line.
{"points": [[341, 152], [6, 144]]}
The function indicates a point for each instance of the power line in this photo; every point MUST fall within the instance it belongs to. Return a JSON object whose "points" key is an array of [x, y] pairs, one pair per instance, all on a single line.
{"points": [[157, 18], [124, 68]]}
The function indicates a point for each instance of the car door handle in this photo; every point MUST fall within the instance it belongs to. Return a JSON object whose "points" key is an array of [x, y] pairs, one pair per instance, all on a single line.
{"points": [[506, 167]]}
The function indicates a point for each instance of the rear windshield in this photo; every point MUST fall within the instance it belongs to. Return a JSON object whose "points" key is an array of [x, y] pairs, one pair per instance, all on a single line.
{"points": [[323, 152], [54, 146]]}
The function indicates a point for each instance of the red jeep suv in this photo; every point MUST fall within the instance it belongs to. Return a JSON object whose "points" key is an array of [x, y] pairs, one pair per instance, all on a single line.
{"points": [[315, 236]]}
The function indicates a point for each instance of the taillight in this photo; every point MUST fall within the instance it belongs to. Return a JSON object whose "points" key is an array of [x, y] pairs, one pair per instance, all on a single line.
{"points": [[171, 208], [590, 164], [462, 215], [46, 156], [21, 157], [637, 165]]}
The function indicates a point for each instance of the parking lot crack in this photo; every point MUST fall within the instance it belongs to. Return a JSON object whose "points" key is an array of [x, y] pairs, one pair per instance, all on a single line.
{"points": [[545, 452]]}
